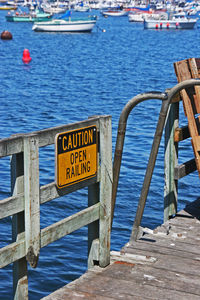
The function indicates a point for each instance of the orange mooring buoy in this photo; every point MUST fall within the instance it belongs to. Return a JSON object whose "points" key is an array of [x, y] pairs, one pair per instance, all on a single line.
{"points": [[6, 35], [26, 56]]}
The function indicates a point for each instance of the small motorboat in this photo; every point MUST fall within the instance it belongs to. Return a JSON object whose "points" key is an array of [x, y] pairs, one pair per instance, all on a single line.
{"points": [[32, 16]]}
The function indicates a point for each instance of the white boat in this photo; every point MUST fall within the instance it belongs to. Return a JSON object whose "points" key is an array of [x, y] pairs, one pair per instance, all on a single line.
{"points": [[141, 16], [81, 7], [114, 12], [137, 17], [66, 25], [53, 8], [174, 23]]}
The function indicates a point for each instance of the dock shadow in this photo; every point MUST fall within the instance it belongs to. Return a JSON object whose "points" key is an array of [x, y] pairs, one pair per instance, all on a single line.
{"points": [[193, 209]]}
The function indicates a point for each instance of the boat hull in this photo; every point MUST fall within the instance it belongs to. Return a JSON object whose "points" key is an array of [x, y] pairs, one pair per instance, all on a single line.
{"points": [[26, 19], [82, 8], [140, 17], [67, 26], [8, 7], [169, 24], [114, 13]]}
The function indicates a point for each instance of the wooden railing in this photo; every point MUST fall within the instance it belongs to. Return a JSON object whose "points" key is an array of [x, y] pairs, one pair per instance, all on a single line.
{"points": [[173, 170], [28, 195], [185, 70]]}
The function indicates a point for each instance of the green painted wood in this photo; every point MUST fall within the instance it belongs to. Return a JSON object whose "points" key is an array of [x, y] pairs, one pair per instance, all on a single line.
{"points": [[171, 160]]}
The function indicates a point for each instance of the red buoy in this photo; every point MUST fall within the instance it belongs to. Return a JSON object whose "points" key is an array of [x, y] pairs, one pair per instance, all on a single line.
{"points": [[156, 26], [26, 56], [167, 25]]}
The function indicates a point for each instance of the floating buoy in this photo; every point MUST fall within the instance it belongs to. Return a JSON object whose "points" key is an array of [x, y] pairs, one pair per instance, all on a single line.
{"points": [[103, 30], [160, 25], [177, 25], [156, 26], [6, 35], [167, 25], [26, 56]]}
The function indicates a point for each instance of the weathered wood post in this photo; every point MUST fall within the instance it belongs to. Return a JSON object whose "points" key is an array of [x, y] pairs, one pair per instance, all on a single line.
{"points": [[105, 190], [20, 275], [32, 200], [171, 161], [99, 249], [93, 228]]}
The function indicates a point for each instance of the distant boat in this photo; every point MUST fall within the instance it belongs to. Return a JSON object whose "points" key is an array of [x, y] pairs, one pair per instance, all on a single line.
{"points": [[32, 16], [173, 23], [81, 7], [8, 7], [141, 16], [114, 12], [66, 24], [54, 7]]}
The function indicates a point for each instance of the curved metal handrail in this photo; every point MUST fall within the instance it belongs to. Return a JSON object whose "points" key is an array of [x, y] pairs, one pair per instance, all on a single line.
{"points": [[166, 97]]}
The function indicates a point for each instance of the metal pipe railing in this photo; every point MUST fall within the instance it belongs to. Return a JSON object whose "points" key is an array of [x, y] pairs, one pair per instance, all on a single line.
{"points": [[166, 97]]}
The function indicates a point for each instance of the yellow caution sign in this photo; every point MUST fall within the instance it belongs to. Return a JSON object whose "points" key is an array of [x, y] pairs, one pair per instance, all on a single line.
{"points": [[76, 156]]}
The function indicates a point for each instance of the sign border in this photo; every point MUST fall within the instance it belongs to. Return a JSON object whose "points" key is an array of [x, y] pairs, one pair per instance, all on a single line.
{"points": [[56, 158]]}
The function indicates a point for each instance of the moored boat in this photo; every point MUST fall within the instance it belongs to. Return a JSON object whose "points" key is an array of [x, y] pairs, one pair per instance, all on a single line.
{"points": [[32, 16], [114, 12], [141, 16], [66, 24], [8, 7], [174, 23], [81, 7], [54, 7]]}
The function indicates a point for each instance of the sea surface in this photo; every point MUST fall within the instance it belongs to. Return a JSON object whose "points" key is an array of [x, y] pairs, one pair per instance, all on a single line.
{"points": [[72, 77]]}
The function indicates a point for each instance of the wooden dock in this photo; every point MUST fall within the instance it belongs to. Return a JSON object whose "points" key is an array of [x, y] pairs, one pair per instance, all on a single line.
{"points": [[162, 264]]}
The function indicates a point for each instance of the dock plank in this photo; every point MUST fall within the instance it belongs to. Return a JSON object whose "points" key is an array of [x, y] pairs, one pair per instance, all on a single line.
{"points": [[171, 248], [103, 284], [171, 262], [163, 264], [156, 277]]}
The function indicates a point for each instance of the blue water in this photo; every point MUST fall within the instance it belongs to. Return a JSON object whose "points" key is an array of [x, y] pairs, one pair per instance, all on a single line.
{"points": [[71, 77]]}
